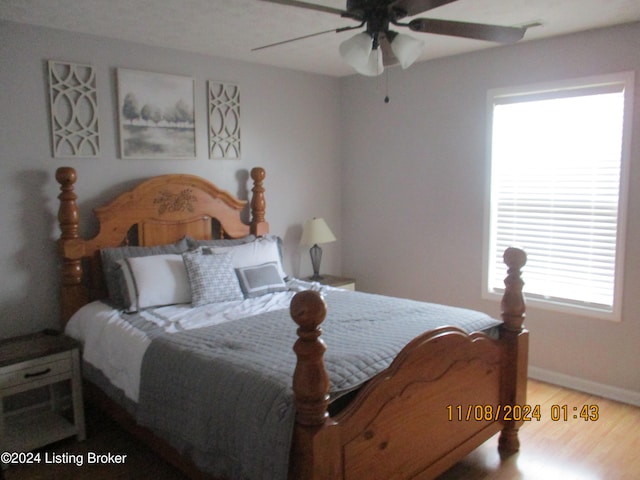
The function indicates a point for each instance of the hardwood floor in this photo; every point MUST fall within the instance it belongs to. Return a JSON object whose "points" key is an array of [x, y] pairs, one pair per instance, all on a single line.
{"points": [[603, 449]]}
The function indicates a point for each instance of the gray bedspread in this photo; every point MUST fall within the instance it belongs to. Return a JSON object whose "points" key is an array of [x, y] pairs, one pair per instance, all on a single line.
{"points": [[222, 394]]}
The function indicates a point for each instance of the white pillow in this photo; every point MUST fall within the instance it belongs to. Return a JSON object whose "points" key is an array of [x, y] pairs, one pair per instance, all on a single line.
{"points": [[262, 250], [155, 281]]}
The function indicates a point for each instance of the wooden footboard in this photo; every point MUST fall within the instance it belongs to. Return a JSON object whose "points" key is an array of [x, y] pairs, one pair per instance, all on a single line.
{"points": [[445, 394]]}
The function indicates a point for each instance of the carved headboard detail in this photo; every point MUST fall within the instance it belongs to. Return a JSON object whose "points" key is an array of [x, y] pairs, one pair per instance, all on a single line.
{"points": [[160, 210]]}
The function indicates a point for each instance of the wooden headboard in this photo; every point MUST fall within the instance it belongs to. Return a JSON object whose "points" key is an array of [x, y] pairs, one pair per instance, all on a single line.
{"points": [[157, 211]]}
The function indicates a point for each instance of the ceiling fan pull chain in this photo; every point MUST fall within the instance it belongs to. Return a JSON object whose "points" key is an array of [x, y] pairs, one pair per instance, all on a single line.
{"points": [[386, 86]]}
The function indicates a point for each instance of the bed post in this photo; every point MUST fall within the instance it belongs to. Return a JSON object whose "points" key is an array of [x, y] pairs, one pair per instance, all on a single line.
{"points": [[516, 339], [73, 293], [310, 458], [258, 203]]}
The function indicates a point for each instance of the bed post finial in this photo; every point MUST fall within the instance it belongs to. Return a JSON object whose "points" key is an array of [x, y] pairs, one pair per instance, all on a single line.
{"points": [[73, 294], [310, 388], [258, 203], [310, 379], [513, 306], [68, 215], [516, 340]]}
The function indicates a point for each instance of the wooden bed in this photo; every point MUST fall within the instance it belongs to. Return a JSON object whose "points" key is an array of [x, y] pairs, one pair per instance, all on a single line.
{"points": [[444, 394]]}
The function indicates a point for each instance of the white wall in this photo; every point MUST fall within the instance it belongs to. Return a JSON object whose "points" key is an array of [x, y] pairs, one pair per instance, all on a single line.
{"points": [[290, 126], [402, 185], [414, 180]]}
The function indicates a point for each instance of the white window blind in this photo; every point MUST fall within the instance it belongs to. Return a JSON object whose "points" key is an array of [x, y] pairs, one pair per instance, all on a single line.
{"points": [[556, 163]]}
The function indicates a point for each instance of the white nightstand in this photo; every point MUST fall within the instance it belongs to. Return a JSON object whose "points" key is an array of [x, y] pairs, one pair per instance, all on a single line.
{"points": [[335, 281], [35, 361]]}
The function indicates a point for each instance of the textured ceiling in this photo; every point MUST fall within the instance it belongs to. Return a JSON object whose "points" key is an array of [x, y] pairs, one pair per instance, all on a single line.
{"points": [[231, 28]]}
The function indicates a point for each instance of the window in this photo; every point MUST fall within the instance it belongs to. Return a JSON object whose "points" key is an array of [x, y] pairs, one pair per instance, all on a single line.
{"points": [[559, 157]]}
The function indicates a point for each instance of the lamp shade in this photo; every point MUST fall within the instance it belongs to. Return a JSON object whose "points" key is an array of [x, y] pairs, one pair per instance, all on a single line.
{"points": [[406, 49], [316, 231], [358, 52]]}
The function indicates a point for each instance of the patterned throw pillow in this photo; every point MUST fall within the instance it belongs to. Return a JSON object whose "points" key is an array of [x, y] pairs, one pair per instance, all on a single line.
{"points": [[211, 278]]}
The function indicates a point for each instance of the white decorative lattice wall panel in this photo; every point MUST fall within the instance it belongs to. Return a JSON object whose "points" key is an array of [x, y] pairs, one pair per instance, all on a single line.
{"points": [[74, 110], [224, 120]]}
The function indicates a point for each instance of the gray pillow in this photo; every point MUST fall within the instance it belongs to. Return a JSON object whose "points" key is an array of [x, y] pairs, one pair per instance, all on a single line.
{"points": [[112, 270]]}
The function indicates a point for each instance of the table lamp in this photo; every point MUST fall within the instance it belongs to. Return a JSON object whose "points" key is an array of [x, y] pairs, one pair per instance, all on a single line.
{"points": [[316, 231]]}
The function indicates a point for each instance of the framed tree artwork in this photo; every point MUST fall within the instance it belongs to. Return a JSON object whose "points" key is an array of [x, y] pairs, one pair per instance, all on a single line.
{"points": [[156, 114]]}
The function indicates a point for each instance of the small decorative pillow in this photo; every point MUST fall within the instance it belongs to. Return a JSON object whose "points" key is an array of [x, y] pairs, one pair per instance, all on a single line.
{"points": [[211, 278], [260, 279]]}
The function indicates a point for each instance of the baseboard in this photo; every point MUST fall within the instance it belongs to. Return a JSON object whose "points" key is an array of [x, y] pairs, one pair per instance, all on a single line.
{"points": [[587, 386]]}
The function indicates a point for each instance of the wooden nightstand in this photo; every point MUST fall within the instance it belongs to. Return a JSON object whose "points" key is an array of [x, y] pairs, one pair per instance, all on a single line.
{"points": [[30, 362], [334, 281]]}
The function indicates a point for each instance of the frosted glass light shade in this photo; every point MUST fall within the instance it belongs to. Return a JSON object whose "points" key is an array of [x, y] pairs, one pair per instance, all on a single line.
{"points": [[358, 52], [407, 49], [316, 231]]}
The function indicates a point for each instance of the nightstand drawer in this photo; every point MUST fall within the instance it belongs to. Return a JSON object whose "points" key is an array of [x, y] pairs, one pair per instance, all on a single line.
{"points": [[32, 372]]}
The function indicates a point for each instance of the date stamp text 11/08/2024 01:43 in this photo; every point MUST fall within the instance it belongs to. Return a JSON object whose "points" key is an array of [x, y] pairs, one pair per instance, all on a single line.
{"points": [[526, 413]]}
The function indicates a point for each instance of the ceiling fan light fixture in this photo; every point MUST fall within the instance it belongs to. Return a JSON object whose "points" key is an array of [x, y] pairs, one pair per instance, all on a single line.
{"points": [[358, 52], [407, 49], [367, 52]]}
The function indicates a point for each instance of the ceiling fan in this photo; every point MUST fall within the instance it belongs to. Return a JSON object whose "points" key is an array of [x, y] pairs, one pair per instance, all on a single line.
{"points": [[378, 46]]}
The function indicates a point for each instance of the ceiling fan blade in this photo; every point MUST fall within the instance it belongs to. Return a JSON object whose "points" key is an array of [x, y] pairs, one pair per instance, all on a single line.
{"points": [[414, 7], [311, 6], [334, 30], [478, 31]]}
